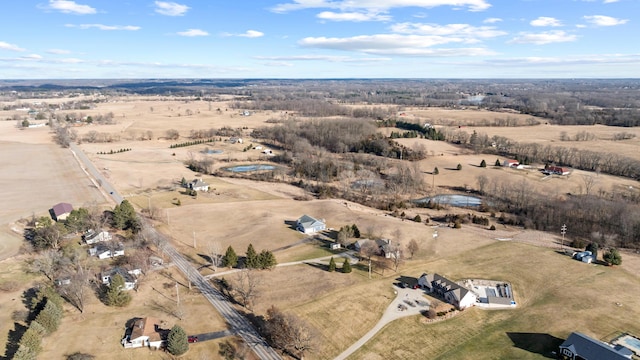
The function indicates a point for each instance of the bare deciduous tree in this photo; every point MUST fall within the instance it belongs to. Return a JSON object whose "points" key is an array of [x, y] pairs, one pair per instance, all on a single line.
{"points": [[413, 247], [245, 285], [214, 251]]}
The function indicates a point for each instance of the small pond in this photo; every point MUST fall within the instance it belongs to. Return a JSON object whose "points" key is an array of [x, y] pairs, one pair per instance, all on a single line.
{"points": [[453, 200], [209, 151], [249, 168]]}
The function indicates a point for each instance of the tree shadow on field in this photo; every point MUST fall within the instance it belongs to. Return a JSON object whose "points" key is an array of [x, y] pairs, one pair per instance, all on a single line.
{"points": [[538, 343], [13, 340]]}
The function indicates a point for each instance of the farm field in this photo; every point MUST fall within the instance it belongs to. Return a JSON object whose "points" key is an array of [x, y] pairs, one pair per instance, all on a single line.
{"points": [[342, 307]]}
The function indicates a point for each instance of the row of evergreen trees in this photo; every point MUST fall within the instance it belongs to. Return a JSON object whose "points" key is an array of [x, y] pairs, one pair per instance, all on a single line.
{"points": [[46, 312], [191, 143], [111, 152], [346, 265], [264, 260]]}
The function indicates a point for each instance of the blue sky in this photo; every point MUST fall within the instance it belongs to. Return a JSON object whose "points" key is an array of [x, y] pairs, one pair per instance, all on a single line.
{"points": [[320, 39]]}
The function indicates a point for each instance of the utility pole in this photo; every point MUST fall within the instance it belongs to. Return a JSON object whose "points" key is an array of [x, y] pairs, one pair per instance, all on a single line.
{"points": [[563, 230], [194, 239], [177, 293]]}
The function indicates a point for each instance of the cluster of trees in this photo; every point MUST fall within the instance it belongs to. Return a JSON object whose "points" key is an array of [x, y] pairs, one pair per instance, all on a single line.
{"points": [[110, 152], [346, 233], [46, 313], [100, 137], [253, 260], [611, 222], [346, 265], [313, 107]]}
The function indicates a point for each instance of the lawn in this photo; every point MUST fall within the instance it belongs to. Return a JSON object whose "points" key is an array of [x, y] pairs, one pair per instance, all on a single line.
{"points": [[555, 296]]}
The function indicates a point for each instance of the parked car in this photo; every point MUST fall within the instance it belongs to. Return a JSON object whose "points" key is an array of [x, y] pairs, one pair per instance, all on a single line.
{"points": [[192, 339]]}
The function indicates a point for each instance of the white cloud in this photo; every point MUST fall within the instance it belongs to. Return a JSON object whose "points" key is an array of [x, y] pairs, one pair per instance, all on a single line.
{"points": [[395, 44], [71, 7], [572, 60], [610, 1], [247, 34], [491, 20], [464, 30], [171, 8], [545, 21], [330, 58], [378, 5], [193, 32], [104, 27], [352, 16], [602, 20], [58, 51], [71, 61], [12, 47], [543, 38], [32, 57], [252, 34]]}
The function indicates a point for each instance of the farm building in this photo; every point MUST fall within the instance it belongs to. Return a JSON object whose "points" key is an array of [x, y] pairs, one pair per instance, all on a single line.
{"points": [[103, 251], [309, 225], [584, 256], [61, 211], [580, 346], [557, 170], [510, 163], [455, 294]]}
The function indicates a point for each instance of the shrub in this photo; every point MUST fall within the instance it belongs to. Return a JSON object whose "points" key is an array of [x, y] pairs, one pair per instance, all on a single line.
{"points": [[457, 224], [436, 171], [459, 167], [483, 163], [613, 257], [417, 219], [493, 227]]}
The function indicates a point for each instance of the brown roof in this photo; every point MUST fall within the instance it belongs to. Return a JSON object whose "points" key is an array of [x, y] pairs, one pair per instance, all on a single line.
{"points": [[146, 327], [62, 208]]}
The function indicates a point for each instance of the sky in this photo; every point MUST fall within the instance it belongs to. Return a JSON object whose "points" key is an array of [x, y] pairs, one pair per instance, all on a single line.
{"points": [[127, 39]]}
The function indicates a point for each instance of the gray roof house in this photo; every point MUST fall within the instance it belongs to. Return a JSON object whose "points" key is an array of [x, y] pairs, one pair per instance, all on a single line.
{"points": [[309, 225], [105, 251], [454, 293], [61, 211], [91, 237], [129, 276], [580, 346]]}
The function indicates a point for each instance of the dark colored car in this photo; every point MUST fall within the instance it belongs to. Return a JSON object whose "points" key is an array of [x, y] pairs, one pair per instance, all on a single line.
{"points": [[192, 339]]}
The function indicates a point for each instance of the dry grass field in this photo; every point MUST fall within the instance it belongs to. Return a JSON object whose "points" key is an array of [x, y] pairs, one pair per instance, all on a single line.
{"points": [[555, 294]]}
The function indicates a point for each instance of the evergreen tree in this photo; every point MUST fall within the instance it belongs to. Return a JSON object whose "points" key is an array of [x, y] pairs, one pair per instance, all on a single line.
{"points": [[497, 163], [483, 163], [267, 260], [593, 247], [230, 258], [49, 317], [123, 214], [417, 218], [436, 171], [25, 353], [115, 295], [346, 266], [612, 257], [356, 231], [251, 260], [177, 342], [332, 265], [459, 167]]}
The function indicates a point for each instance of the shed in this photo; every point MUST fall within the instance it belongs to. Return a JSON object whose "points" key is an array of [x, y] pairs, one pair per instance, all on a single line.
{"points": [[61, 211]]}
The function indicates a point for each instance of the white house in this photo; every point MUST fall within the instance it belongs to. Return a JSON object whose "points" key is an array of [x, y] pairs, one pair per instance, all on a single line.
{"points": [[198, 185], [235, 140], [91, 237], [144, 332], [309, 225], [455, 294], [129, 276], [103, 251]]}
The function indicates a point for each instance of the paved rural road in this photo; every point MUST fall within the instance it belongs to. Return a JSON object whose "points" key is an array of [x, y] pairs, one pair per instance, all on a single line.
{"points": [[239, 324], [96, 176]]}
